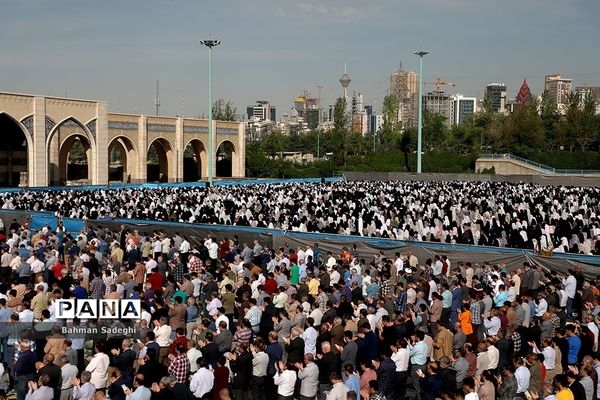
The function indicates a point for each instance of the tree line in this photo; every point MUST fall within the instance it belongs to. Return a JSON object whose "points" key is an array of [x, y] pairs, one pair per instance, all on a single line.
{"points": [[536, 126]]}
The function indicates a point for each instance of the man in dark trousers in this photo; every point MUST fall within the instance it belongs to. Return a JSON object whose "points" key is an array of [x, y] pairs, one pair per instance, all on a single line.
{"points": [[24, 369], [48, 367]]}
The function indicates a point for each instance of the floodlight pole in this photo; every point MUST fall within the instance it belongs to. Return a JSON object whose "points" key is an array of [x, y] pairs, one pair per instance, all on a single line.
{"points": [[420, 124], [210, 43]]}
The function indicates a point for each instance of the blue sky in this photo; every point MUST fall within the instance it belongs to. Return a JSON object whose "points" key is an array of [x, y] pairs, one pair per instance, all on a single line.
{"points": [[115, 50]]}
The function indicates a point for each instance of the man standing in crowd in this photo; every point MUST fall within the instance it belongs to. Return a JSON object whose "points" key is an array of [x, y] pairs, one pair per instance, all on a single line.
{"points": [[326, 320]]}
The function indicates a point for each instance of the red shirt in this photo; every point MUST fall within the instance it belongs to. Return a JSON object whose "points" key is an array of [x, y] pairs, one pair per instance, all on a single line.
{"points": [[293, 257], [224, 250], [156, 281], [221, 381], [179, 340], [57, 270], [269, 286]]}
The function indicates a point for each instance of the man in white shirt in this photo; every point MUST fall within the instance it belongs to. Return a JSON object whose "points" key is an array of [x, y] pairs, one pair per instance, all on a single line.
{"points": [[26, 315], [202, 381], [522, 374], [493, 355], [541, 306], [401, 357], [593, 327], [339, 391], [163, 336], [492, 323], [331, 261], [213, 248], [469, 388], [36, 265], [68, 372], [549, 359], [150, 264], [310, 337], [285, 380], [193, 354], [316, 314], [184, 248], [334, 277], [570, 284], [98, 367]]}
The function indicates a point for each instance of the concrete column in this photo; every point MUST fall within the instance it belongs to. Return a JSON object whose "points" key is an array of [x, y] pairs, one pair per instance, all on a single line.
{"points": [[142, 150], [213, 151], [38, 174], [241, 153], [101, 159], [178, 150]]}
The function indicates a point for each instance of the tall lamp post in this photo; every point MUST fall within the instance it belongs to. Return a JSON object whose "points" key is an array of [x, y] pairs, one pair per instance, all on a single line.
{"points": [[420, 123], [210, 43]]}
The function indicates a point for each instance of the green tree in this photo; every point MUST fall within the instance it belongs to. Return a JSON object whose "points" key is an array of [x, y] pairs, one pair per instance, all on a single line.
{"points": [[390, 133], [340, 132], [521, 132], [407, 143], [434, 130], [77, 154], [224, 111], [550, 120], [274, 143]]}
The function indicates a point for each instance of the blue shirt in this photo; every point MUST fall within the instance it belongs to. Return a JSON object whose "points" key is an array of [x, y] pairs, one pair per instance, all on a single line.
{"points": [[500, 298], [418, 353], [456, 299], [574, 346], [446, 299], [191, 313], [79, 292], [353, 384], [141, 393]]}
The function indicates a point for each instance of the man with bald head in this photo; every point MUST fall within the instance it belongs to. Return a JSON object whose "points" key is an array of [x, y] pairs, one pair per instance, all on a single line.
{"points": [[24, 368], [48, 367]]}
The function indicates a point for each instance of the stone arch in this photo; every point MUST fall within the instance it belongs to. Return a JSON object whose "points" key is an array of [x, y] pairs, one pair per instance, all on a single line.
{"points": [[59, 144], [226, 159], [125, 168], [164, 159], [195, 158], [16, 151]]}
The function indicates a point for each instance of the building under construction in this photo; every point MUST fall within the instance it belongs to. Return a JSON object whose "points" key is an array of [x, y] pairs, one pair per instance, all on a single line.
{"points": [[405, 86]]}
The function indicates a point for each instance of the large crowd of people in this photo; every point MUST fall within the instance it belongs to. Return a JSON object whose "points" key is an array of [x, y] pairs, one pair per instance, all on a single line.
{"points": [[228, 320], [540, 218]]}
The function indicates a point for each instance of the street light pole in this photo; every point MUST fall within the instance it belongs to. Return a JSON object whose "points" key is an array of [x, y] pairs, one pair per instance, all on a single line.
{"points": [[420, 123], [210, 43]]}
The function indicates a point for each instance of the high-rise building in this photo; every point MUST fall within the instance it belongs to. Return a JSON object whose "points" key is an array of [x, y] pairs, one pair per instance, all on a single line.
{"points": [[439, 103], [404, 83], [360, 124], [586, 91], [405, 86], [312, 118], [523, 98], [558, 89], [357, 104], [462, 107], [262, 111], [304, 102], [495, 96], [376, 122]]}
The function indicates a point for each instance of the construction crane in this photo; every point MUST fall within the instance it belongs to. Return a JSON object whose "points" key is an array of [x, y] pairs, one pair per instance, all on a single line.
{"points": [[438, 83]]}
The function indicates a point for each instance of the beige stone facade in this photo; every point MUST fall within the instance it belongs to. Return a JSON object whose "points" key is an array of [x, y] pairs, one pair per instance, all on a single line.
{"points": [[51, 125]]}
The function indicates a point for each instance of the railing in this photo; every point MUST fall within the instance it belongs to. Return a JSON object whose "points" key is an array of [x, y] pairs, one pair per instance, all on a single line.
{"points": [[547, 168]]}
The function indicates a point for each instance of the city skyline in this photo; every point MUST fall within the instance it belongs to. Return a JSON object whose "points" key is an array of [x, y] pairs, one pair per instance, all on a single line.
{"points": [[273, 51]]}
